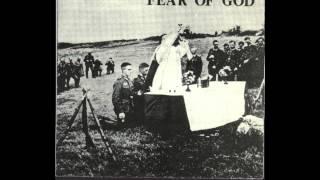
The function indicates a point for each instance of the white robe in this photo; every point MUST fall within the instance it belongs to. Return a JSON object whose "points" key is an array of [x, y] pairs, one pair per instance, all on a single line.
{"points": [[168, 76]]}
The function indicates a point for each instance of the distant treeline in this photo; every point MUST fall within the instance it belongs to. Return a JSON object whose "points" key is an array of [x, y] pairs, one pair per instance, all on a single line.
{"points": [[235, 31], [154, 38], [243, 33], [188, 36], [101, 44], [199, 35]]}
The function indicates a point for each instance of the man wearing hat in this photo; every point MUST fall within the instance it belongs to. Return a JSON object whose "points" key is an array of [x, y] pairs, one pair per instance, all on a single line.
{"points": [[228, 64], [88, 60], [216, 59], [240, 71], [139, 89], [259, 61], [249, 56], [195, 64], [234, 59]]}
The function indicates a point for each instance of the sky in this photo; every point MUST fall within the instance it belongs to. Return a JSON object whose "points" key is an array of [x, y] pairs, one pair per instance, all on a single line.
{"points": [[103, 20]]}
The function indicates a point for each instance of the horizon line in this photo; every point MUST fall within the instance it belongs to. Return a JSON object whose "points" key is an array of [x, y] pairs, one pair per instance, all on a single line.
{"points": [[143, 37]]}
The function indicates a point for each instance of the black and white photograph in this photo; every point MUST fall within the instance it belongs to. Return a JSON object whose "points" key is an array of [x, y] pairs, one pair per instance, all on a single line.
{"points": [[160, 89]]}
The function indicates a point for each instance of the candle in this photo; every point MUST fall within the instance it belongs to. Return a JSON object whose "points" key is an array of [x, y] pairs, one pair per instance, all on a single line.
{"points": [[199, 82]]}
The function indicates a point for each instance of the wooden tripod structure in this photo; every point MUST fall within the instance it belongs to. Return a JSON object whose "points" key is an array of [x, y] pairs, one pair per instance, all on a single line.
{"points": [[89, 141]]}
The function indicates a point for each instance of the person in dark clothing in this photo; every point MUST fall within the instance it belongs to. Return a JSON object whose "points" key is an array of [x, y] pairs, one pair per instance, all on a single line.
{"points": [[249, 58], [78, 72], [97, 68], [241, 73], [227, 64], [233, 60], [62, 74], [240, 47], [110, 66], [195, 64], [216, 59], [259, 62], [152, 69], [122, 96], [69, 70], [138, 90], [88, 60], [226, 54]]}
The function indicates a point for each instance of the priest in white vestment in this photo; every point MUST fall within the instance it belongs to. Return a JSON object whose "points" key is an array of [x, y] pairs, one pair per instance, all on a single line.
{"points": [[168, 76]]}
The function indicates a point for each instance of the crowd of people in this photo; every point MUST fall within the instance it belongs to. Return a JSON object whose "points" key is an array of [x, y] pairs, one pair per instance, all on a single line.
{"points": [[127, 96], [68, 70], [95, 66], [245, 63]]}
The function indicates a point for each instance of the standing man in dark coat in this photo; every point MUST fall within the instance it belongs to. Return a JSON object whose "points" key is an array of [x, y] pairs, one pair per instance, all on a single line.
{"points": [[249, 58], [227, 64], [195, 64], [226, 54], [69, 70], [62, 74], [234, 59], [241, 74], [122, 96], [138, 90], [259, 61], [216, 59], [88, 60], [78, 70]]}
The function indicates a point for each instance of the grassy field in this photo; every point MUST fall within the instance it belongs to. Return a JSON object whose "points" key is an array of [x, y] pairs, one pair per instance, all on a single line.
{"points": [[141, 154]]}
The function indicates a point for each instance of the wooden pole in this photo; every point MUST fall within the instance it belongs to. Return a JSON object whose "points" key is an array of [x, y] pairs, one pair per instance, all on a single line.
{"points": [[85, 129], [76, 111], [104, 139], [70, 123], [259, 93], [248, 101]]}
